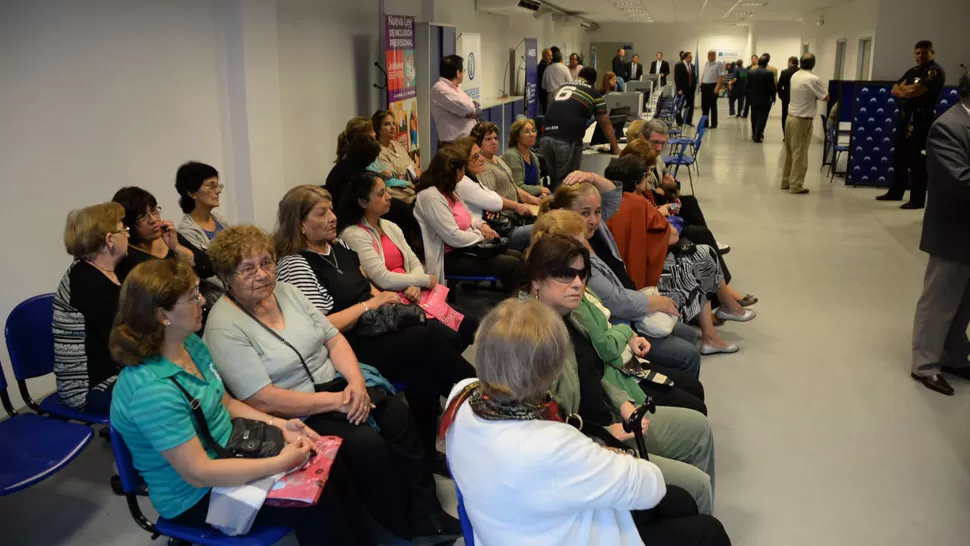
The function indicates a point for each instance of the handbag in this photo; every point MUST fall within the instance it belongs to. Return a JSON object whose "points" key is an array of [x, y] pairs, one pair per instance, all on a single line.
{"points": [[249, 439], [484, 250], [502, 224], [682, 246], [390, 317], [657, 324]]}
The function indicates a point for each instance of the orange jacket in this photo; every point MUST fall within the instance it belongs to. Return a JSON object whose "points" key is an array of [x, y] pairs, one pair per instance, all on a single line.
{"points": [[642, 234]]}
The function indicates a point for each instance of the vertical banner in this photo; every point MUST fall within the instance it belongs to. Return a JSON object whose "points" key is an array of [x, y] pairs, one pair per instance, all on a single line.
{"points": [[401, 83], [531, 77], [470, 48]]}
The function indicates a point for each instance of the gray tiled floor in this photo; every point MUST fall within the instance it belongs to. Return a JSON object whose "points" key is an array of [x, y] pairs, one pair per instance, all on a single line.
{"points": [[823, 439]]}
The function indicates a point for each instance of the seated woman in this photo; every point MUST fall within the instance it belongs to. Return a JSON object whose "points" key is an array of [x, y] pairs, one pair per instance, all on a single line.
{"points": [[485, 203], [279, 353], [159, 311], [522, 161], [151, 238], [611, 341], [387, 260], [497, 175], [427, 358], [594, 198], [679, 440], [394, 159], [497, 427], [608, 83], [85, 305], [199, 190], [448, 227]]}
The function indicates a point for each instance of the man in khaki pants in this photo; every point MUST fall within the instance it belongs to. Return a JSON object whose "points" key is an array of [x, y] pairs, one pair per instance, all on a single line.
{"points": [[805, 89]]}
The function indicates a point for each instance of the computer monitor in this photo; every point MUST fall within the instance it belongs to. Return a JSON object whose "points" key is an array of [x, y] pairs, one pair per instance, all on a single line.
{"points": [[655, 78], [618, 119], [632, 100]]}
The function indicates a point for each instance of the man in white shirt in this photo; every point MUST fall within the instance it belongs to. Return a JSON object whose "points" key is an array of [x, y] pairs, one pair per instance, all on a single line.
{"points": [[710, 87], [662, 67], [453, 111], [805, 90], [556, 75]]}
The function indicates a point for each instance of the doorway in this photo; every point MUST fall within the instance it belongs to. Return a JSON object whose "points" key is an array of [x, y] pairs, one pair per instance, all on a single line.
{"points": [[839, 59], [865, 58]]}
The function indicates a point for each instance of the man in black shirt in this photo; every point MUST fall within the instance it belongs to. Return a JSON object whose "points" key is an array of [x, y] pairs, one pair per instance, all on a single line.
{"points": [[564, 125], [619, 68], [546, 59], [916, 95], [784, 89], [685, 79]]}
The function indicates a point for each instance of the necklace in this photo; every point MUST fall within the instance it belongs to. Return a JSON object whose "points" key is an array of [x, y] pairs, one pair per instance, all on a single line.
{"points": [[334, 264], [99, 268]]}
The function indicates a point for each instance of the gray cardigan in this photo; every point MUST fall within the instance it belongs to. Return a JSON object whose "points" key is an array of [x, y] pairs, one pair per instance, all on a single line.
{"points": [[194, 234], [438, 228], [513, 158], [365, 241]]}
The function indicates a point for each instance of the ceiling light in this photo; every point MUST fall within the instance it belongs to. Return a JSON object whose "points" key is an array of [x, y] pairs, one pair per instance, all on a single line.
{"points": [[753, 4]]}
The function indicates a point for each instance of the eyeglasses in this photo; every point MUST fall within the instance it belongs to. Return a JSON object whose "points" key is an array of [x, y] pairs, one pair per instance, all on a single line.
{"points": [[195, 296], [475, 157], [658, 143], [529, 132], [144, 217], [126, 230], [213, 186], [568, 274], [248, 272]]}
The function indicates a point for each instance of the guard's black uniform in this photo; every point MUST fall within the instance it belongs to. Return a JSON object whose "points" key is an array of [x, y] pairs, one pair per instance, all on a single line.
{"points": [[912, 127]]}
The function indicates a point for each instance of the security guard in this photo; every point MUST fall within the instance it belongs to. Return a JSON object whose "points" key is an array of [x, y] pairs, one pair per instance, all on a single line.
{"points": [[916, 93]]}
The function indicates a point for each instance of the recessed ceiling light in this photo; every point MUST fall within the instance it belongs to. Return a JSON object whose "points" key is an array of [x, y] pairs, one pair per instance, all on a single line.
{"points": [[753, 4]]}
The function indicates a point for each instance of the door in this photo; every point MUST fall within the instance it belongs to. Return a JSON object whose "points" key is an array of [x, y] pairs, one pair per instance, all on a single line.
{"points": [[865, 57], [839, 59]]}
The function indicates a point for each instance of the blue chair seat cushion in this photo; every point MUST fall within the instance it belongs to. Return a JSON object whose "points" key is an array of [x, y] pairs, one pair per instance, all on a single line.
{"points": [[841, 147], [207, 536], [471, 279], [680, 141], [33, 447], [55, 406], [677, 160]]}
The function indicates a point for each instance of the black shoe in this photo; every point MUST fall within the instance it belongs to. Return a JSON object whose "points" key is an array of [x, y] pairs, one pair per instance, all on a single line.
{"points": [[889, 197], [436, 528], [959, 372], [911, 206], [934, 383], [440, 465]]}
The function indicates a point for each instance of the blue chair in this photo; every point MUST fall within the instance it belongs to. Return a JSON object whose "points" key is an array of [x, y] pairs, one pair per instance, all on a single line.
{"points": [[837, 150], [205, 536], [466, 524], [30, 342], [682, 159], [694, 142], [33, 447]]}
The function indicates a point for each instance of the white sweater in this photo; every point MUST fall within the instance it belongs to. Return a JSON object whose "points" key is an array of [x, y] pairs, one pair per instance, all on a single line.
{"points": [[545, 483], [438, 228], [478, 198]]}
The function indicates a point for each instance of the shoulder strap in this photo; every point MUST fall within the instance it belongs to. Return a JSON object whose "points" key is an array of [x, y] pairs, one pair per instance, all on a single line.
{"points": [[275, 334], [204, 433]]}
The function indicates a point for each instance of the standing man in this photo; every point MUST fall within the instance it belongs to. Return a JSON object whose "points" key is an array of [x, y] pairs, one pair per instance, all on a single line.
{"points": [[806, 89], [453, 111], [916, 95], [546, 59], [619, 68], [739, 88], [662, 67], [710, 87], [761, 95], [940, 327], [685, 78], [574, 66], [555, 76], [751, 68], [784, 89], [564, 125], [634, 70]]}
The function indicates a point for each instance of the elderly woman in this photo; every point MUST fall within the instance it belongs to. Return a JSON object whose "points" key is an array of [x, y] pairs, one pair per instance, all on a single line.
{"points": [[448, 227], [611, 341], [279, 353], [199, 189], [679, 440], [152, 238], [522, 161], [497, 176], [425, 357], [168, 368], [85, 305]]}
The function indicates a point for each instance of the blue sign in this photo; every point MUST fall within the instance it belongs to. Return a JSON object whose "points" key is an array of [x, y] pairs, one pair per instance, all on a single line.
{"points": [[531, 77]]}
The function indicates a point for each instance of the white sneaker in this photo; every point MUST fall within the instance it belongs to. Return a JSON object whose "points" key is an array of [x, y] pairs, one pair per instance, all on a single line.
{"points": [[748, 314]]}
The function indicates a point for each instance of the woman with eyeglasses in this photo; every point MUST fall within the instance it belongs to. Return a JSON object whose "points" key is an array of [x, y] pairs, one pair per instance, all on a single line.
{"points": [[522, 161], [280, 354], [165, 364], [199, 189], [85, 305]]}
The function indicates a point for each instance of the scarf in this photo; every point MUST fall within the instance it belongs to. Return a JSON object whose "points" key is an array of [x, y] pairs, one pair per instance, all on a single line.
{"points": [[485, 407]]}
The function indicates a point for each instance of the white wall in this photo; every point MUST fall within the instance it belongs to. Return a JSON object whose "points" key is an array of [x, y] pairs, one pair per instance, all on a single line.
{"points": [[850, 21], [781, 39], [942, 21], [649, 38]]}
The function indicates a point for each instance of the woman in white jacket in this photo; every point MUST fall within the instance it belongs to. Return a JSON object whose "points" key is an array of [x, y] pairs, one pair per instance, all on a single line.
{"points": [[526, 477], [447, 226]]}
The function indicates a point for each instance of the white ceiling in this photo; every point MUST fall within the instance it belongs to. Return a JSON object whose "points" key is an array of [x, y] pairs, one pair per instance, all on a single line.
{"points": [[686, 11]]}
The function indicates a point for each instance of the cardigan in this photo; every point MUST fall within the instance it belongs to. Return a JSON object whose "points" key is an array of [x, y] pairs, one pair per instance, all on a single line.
{"points": [[610, 342], [642, 235], [362, 238], [438, 228], [513, 158], [477, 198], [194, 233]]}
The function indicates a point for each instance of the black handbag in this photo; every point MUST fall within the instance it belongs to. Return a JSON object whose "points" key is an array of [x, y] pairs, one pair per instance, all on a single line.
{"points": [[249, 439], [390, 317], [682, 246], [502, 224], [484, 250]]}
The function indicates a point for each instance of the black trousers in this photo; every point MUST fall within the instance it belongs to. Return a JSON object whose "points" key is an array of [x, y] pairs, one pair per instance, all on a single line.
{"points": [[675, 522], [389, 469], [687, 115], [747, 104], [508, 267], [784, 115], [426, 358], [690, 211], [337, 518], [687, 392], [709, 103], [759, 119], [909, 164]]}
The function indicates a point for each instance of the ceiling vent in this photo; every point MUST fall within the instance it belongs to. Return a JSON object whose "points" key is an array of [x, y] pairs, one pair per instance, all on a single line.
{"points": [[508, 6]]}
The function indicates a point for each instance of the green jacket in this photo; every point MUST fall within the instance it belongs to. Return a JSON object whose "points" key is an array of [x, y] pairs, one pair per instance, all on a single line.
{"points": [[513, 158], [610, 341]]}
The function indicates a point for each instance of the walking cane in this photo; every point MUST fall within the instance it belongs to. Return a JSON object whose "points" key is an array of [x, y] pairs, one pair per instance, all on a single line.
{"points": [[633, 424]]}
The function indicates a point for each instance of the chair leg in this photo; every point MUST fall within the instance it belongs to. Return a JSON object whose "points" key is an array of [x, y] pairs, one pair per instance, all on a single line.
{"points": [[834, 166], [691, 180]]}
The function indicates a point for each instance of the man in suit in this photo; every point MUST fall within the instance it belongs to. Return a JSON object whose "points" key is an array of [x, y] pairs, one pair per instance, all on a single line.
{"points": [[546, 59], [784, 89], [761, 93], [634, 70], [619, 68], [662, 67], [685, 78], [940, 343]]}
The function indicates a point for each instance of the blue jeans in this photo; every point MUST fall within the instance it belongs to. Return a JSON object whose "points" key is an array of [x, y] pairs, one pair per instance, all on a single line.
{"points": [[521, 237], [678, 351]]}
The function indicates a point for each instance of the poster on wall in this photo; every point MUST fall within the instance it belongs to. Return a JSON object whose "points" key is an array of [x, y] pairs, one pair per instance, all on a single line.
{"points": [[402, 91], [470, 48], [725, 56], [531, 77]]}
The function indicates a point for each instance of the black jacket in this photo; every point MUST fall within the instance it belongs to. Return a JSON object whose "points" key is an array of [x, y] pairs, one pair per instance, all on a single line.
{"points": [[540, 70], [761, 87], [784, 83], [680, 77], [946, 222], [619, 67], [629, 71]]}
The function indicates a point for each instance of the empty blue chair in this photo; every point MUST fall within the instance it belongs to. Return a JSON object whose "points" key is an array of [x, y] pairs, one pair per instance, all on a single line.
{"points": [[205, 536], [33, 447], [30, 343], [466, 524], [682, 159], [837, 150]]}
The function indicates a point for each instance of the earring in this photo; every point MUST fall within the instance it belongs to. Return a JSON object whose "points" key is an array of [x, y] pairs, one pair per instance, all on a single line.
{"points": [[167, 322]]}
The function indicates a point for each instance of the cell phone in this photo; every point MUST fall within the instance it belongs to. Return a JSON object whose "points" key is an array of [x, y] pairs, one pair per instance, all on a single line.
{"points": [[674, 207]]}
